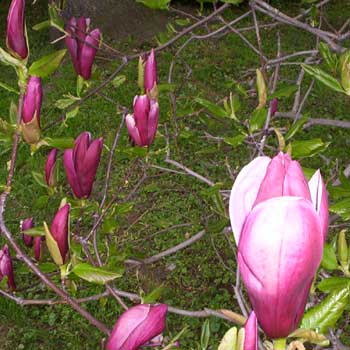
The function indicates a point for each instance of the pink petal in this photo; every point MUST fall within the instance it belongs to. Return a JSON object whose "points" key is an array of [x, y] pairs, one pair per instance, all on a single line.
{"points": [[244, 192], [132, 129]]}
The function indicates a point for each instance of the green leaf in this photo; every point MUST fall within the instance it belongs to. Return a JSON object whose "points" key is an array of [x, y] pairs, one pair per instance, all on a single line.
{"points": [[63, 103], [35, 231], [42, 25], [330, 58], [229, 341], [342, 208], [257, 120], [205, 335], [156, 4], [323, 77], [310, 336], [94, 274], [118, 80], [154, 296], [296, 127], [39, 179], [60, 143], [333, 283], [46, 65], [328, 312], [9, 88], [235, 140], [234, 2], [212, 108], [55, 19], [308, 148], [285, 91], [329, 260]]}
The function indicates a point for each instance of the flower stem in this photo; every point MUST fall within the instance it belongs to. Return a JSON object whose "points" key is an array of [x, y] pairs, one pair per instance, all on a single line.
{"points": [[280, 344]]}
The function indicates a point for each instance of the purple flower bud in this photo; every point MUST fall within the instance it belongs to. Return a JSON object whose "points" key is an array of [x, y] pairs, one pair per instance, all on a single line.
{"points": [[81, 163], [6, 268], [50, 168], [82, 45], [279, 251], [26, 225], [137, 326], [273, 106], [31, 110], [16, 39], [60, 230], [37, 247], [150, 77], [251, 333], [142, 125]]}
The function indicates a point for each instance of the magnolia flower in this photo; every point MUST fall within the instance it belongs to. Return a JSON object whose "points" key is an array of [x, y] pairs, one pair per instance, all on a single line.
{"points": [[82, 45], [6, 268], [142, 124], [50, 168], [81, 163]]}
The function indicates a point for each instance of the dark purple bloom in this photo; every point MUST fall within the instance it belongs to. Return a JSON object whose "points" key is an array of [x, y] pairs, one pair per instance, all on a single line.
{"points": [[137, 327], [273, 106], [31, 110], [59, 230], [6, 268], [16, 40], [82, 45], [37, 247], [26, 225], [81, 164], [142, 124]]}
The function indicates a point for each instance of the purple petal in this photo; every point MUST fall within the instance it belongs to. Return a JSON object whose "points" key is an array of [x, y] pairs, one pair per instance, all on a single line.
{"points": [[132, 129], [68, 164], [244, 192], [319, 199], [26, 225], [278, 254], [32, 100], [60, 229], [50, 167], [16, 39], [72, 44], [153, 118], [251, 333], [137, 326], [37, 248], [141, 111], [150, 72], [81, 146], [87, 173], [88, 53], [6, 267]]}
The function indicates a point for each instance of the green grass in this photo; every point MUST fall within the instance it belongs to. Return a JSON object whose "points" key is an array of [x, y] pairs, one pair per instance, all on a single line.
{"points": [[193, 278]]}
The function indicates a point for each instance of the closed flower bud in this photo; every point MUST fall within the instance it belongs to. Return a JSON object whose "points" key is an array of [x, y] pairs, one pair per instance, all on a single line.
{"points": [[26, 225], [6, 268], [31, 111], [150, 77], [142, 124], [16, 37], [137, 327], [273, 106], [37, 247], [82, 45], [343, 250], [81, 163], [50, 168], [265, 178], [57, 237]]}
